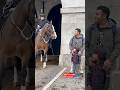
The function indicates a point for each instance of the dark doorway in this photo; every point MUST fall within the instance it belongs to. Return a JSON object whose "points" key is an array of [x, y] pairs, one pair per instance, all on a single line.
{"points": [[56, 18]]}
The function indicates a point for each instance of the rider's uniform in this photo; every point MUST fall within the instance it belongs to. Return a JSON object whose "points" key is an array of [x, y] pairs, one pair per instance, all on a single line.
{"points": [[40, 24]]}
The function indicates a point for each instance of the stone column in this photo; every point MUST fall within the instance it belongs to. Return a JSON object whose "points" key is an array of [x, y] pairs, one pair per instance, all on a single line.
{"points": [[72, 17]]}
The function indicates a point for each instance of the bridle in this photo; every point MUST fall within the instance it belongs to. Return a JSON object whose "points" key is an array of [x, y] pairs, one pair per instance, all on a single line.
{"points": [[21, 30], [46, 41]]}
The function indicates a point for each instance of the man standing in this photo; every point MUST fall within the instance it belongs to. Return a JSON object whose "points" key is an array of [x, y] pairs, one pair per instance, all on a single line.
{"points": [[103, 35], [76, 46]]}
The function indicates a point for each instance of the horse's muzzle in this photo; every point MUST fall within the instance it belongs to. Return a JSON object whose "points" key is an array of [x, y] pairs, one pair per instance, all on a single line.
{"points": [[54, 36]]}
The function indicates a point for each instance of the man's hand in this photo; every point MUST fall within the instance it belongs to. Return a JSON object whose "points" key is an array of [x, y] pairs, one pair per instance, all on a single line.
{"points": [[107, 65], [90, 62], [73, 51], [88, 87], [80, 53]]}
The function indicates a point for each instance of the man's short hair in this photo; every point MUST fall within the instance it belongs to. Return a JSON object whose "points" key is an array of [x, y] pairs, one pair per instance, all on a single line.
{"points": [[105, 10], [78, 30], [42, 15]]}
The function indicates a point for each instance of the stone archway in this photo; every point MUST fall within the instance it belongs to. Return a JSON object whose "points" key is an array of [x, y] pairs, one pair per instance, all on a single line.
{"points": [[52, 12], [56, 18], [71, 16], [48, 5]]}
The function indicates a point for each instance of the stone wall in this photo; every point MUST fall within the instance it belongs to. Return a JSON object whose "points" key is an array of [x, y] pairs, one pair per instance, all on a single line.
{"points": [[49, 4], [73, 16]]}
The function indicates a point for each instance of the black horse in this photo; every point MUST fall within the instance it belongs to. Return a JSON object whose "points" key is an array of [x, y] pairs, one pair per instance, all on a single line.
{"points": [[16, 40]]}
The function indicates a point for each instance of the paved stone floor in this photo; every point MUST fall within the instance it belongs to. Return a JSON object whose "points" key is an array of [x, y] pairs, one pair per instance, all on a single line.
{"points": [[63, 83], [44, 76], [8, 81]]}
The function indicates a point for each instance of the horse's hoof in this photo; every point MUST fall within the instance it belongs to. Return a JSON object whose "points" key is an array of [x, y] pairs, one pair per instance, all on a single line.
{"points": [[28, 84], [16, 84], [23, 87], [44, 65]]}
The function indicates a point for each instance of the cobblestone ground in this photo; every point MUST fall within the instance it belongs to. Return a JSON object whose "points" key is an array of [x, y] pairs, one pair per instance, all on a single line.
{"points": [[63, 83], [8, 81], [43, 76]]}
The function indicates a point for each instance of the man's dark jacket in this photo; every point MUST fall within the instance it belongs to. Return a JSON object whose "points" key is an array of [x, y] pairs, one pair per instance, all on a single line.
{"points": [[106, 39]]}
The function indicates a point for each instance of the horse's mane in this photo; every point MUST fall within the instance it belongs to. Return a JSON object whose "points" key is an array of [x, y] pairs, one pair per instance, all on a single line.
{"points": [[21, 7], [20, 4], [46, 25]]}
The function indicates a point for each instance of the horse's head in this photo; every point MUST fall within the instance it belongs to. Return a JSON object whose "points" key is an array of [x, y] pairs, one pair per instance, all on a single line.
{"points": [[50, 31], [30, 11], [24, 11]]}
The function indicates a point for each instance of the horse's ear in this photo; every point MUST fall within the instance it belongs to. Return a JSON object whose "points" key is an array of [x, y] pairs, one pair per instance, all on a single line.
{"points": [[31, 1], [51, 22]]}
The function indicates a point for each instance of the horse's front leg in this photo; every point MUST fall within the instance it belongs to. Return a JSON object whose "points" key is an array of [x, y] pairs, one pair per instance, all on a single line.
{"points": [[1, 73], [2, 67], [24, 73], [17, 67], [28, 76], [41, 58], [15, 76], [46, 59], [0, 76]]}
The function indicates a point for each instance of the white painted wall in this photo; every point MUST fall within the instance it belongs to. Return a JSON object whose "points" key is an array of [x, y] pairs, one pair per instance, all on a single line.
{"points": [[73, 3], [73, 16]]}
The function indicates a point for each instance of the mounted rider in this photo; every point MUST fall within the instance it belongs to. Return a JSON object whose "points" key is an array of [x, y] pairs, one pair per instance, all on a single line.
{"points": [[41, 22]]}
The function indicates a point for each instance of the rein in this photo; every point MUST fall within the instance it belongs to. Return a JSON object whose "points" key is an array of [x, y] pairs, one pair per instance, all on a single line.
{"points": [[21, 30], [45, 41], [42, 30]]}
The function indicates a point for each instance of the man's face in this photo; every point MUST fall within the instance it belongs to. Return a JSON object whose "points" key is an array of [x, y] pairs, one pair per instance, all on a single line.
{"points": [[76, 33], [95, 56], [41, 18], [100, 16]]}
